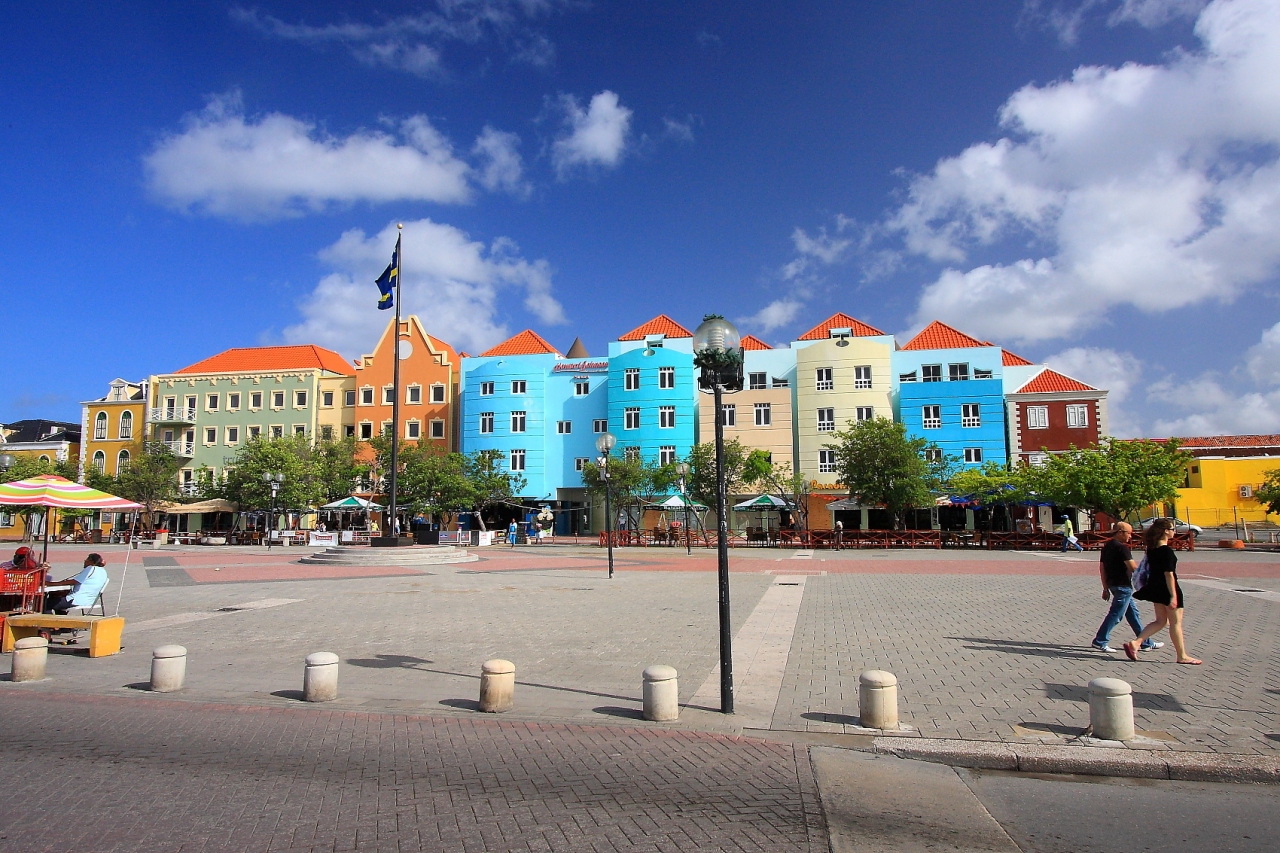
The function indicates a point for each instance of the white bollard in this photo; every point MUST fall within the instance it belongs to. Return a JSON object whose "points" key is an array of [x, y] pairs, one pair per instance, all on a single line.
{"points": [[497, 686], [168, 668], [1111, 709], [29, 657], [661, 694], [877, 699], [320, 678]]}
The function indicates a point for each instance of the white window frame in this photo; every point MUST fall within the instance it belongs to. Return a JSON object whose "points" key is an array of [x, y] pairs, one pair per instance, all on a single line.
{"points": [[277, 400], [823, 379], [666, 417], [255, 401], [631, 417], [413, 395], [300, 398], [666, 377], [366, 430], [326, 399], [435, 429], [729, 414], [486, 389], [437, 393], [581, 387], [413, 429], [599, 425], [757, 380], [864, 413], [519, 386], [299, 429], [631, 379], [564, 427], [970, 415], [862, 376], [233, 401], [211, 401], [1037, 417], [100, 426], [958, 372], [826, 420], [931, 373], [349, 398], [1077, 416], [931, 417], [99, 461], [516, 460], [253, 432], [519, 421], [826, 461], [210, 436], [973, 455], [580, 463], [388, 394], [763, 413], [233, 435], [666, 454]]}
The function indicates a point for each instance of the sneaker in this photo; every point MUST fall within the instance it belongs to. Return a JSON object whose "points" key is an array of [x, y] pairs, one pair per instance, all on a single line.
{"points": [[1102, 647], [1152, 644]]}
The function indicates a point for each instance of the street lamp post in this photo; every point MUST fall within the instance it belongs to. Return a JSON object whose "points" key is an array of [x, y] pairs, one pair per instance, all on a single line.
{"points": [[718, 354], [682, 469], [604, 444], [272, 479]]}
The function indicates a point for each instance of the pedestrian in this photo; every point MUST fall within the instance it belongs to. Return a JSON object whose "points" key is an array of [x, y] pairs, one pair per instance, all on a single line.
{"points": [[1162, 590], [1115, 568], [1069, 535], [839, 534], [511, 532]]}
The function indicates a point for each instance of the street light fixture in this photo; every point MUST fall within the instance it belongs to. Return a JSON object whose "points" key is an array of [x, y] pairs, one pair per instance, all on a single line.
{"points": [[6, 461], [272, 479], [682, 468], [605, 443], [717, 352]]}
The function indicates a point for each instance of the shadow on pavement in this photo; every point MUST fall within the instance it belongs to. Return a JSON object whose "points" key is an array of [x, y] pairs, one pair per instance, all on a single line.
{"points": [[1020, 647], [388, 662], [461, 704], [1147, 701], [612, 711], [289, 694], [838, 719]]}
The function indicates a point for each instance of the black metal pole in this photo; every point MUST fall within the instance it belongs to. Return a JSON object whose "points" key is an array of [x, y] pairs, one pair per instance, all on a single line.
{"points": [[722, 568], [688, 547], [395, 400], [608, 515]]}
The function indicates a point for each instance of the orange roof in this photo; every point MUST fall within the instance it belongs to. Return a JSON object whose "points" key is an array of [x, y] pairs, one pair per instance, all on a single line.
{"points": [[1008, 359], [1198, 441], [660, 325], [527, 342], [1050, 381], [252, 359], [941, 336], [752, 342], [857, 328]]}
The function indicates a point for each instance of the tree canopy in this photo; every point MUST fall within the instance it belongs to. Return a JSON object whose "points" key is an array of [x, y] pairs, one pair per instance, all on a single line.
{"points": [[882, 467], [1117, 477], [1269, 493]]}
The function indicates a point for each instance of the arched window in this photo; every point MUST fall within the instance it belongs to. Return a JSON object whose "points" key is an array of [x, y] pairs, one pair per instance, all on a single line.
{"points": [[100, 426], [126, 424], [99, 460], [122, 461]]}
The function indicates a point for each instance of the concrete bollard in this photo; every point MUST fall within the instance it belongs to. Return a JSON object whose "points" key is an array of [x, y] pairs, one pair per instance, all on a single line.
{"points": [[497, 686], [878, 699], [1111, 709], [168, 668], [661, 694], [320, 678], [29, 657]]}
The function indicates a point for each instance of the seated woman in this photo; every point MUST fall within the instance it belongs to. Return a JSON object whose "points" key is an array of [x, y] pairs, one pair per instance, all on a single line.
{"points": [[85, 587]]}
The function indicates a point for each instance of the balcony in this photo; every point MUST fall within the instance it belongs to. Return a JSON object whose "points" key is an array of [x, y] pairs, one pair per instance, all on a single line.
{"points": [[175, 415], [181, 449]]}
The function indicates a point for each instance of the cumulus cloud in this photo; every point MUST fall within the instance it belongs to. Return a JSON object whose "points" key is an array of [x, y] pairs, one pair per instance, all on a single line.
{"points": [[1067, 18], [595, 136], [1263, 359], [1212, 408], [501, 168], [1116, 372], [453, 283], [1156, 186], [775, 315], [226, 164]]}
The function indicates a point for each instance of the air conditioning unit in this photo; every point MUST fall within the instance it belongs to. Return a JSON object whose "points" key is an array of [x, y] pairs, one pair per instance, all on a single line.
{"points": [[1246, 491]]}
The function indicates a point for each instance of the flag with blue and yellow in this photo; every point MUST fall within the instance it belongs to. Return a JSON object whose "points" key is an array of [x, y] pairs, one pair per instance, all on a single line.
{"points": [[388, 280]]}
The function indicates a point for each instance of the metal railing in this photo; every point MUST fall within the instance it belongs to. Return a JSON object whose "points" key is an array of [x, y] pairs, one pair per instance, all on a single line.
{"points": [[183, 449], [172, 415]]}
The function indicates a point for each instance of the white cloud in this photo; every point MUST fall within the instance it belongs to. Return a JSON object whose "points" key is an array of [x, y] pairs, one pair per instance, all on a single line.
{"points": [[1155, 13], [456, 285], [1118, 373], [821, 249], [1215, 409], [501, 167], [596, 136], [778, 313], [681, 131], [228, 165], [1263, 359], [1067, 18], [1156, 186]]}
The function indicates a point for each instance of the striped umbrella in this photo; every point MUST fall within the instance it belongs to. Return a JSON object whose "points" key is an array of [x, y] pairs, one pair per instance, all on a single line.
{"points": [[50, 491]]}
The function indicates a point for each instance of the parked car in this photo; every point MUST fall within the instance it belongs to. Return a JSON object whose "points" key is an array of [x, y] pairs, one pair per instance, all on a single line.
{"points": [[1179, 526]]}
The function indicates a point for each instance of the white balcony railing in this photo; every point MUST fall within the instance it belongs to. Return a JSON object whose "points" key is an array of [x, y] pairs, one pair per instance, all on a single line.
{"points": [[181, 449], [174, 415]]}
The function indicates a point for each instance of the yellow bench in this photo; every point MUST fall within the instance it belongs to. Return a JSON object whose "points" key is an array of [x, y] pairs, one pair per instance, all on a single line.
{"points": [[104, 631]]}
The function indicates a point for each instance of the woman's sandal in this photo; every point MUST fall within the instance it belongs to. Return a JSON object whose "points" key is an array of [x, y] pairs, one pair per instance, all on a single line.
{"points": [[1191, 662], [1130, 651]]}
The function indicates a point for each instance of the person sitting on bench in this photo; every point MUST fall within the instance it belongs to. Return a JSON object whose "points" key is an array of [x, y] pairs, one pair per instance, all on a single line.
{"points": [[85, 587]]}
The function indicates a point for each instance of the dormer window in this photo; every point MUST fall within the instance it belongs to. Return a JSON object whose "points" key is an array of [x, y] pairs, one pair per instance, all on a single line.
{"points": [[840, 333], [654, 342]]}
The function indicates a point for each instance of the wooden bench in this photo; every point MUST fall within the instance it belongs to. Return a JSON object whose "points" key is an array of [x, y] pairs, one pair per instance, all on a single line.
{"points": [[104, 631]]}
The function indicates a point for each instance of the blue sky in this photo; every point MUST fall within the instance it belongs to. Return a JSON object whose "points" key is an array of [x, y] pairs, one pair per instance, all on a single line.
{"points": [[1091, 183]]}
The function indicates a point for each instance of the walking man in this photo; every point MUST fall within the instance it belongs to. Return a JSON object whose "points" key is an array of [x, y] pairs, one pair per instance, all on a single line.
{"points": [[1115, 568], [1069, 535]]}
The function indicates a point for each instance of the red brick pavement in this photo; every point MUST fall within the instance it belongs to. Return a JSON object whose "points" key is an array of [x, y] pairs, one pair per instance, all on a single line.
{"points": [[93, 774]]}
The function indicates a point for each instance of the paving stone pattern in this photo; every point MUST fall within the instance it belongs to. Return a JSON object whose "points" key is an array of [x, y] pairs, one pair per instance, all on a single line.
{"points": [[131, 774]]}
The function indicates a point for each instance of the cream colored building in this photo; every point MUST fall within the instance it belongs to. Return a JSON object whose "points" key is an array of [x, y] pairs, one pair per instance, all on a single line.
{"points": [[761, 416]]}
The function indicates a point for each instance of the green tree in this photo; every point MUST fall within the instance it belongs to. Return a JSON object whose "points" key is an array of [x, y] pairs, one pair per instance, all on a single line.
{"points": [[779, 479], [1117, 477], [633, 483], [1268, 494], [336, 468], [882, 467], [289, 455], [991, 483], [741, 470], [493, 484], [434, 482], [150, 478]]}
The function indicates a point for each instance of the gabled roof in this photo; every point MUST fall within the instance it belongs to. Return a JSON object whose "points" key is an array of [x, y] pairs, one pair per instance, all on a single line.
{"points": [[253, 359], [1050, 381], [1008, 359], [941, 336], [660, 325], [751, 342], [527, 342], [857, 328]]}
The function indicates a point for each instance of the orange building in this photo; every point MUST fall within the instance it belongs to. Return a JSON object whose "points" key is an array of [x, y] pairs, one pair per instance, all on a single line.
{"points": [[428, 388]]}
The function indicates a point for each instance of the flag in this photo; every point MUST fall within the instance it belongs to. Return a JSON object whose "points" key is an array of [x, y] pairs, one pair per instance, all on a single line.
{"points": [[388, 280]]}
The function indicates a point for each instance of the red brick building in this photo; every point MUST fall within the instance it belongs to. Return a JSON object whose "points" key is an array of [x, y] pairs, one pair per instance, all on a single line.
{"points": [[1051, 413]]}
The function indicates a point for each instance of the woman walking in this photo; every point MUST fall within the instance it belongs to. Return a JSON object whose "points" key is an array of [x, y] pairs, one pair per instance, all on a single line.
{"points": [[1163, 591]]}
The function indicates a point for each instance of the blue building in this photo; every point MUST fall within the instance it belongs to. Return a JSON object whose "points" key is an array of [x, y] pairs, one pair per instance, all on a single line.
{"points": [[947, 388], [652, 395]]}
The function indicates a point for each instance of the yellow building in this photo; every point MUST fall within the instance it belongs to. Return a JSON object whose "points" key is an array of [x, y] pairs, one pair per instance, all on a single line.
{"points": [[111, 425], [52, 442], [1223, 478]]}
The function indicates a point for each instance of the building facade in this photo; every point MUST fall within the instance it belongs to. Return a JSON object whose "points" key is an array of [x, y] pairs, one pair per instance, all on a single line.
{"points": [[429, 370], [1051, 413], [112, 426], [1223, 479], [52, 442], [762, 415], [652, 396]]}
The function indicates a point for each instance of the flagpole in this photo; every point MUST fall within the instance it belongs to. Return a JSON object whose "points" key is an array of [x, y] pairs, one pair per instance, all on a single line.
{"points": [[395, 390]]}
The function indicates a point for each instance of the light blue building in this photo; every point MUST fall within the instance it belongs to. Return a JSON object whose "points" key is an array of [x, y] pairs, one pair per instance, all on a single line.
{"points": [[652, 395], [947, 388]]}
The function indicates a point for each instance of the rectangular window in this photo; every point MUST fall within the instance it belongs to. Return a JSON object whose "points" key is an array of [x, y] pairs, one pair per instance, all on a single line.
{"points": [[564, 427], [1037, 417], [981, 374], [366, 396], [277, 399], [233, 435], [580, 463], [600, 425], [764, 414], [437, 393], [931, 417], [973, 454], [931, 373], [299, 399], [348, 398], [486, 389], [826, 420], [757, 381], [666, 377], [631, 418], [667, 454], [191, 405], [255, 400], [862, 376], [824, 380], [933, 454], [781, 383], [326, 399], [826, 461], [1077, 416], [210, 435], [233, 402], [631, 379], [958, 372], [211, 402], [255, 432], [907, 377], [517, 460], [412, 429], [729, 414], [970, 415], [437, 429], [631, 454], [413, 394], [349, 430], [299, 429], [386, 428], [864, 413], [517, 421], [366, 431], [582, 387], [518, 386], [666, 417], [388, 395], [326, 433]]}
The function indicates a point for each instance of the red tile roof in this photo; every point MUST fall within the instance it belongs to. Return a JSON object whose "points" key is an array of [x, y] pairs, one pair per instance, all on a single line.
{"points": [[660, 325], [1050, 381], [941, 336], [1197, 441], [527, 342], [857, 328], [1008, 359], [255, 359], [753, 343]]}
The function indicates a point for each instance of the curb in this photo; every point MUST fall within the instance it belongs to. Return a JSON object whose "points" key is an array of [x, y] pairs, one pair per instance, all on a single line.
{"points": [[1086, 760]]}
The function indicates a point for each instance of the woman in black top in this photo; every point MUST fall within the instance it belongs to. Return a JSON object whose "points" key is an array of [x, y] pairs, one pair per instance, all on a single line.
{"points": [[1162, 590]]}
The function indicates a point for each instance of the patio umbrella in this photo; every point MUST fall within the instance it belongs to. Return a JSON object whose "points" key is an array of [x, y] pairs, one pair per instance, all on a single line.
{"points": [[763, 502], [352, 503], [678, 502], [52, 492]]}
